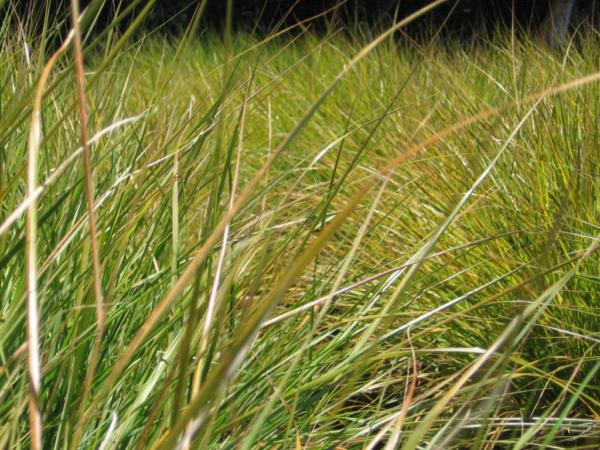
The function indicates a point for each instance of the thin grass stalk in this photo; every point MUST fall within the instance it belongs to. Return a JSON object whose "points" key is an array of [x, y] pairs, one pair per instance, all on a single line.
{"points": [[34, 364], [395, 437], [89, 193], [33, 313], [263, 202], [175, 216]]}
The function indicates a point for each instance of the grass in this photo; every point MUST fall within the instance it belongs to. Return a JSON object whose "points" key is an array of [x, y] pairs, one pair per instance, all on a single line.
{"points": [[305, 241]]}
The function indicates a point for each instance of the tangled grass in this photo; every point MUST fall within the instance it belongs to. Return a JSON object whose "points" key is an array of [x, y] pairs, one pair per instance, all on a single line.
{"points": [[305, 241]]}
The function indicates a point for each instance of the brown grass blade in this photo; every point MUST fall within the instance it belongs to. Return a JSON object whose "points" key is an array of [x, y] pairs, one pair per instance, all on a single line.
{"points": [[89, 193]]}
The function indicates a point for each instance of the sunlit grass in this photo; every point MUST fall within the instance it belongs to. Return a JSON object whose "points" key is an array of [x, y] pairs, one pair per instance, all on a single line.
{"points": [[335, 276]]}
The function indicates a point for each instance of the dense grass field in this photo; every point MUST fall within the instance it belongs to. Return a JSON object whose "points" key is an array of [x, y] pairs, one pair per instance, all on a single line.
{"points": [[310, 240]]}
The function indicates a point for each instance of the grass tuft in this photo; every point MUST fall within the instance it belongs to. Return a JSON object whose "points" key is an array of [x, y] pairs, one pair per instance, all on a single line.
{"points": [[302, 241]]}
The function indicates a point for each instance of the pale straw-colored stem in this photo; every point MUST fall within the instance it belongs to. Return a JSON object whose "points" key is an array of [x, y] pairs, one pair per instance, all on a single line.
{"points": [[35, 417], [33, 313]]}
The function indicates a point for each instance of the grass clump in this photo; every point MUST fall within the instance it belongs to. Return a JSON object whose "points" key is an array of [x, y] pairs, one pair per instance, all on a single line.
{"points": [[302, 248]]}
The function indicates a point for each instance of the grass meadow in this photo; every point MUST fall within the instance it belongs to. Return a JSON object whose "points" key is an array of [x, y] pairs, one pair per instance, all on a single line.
{"points": [[309, 240]]}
